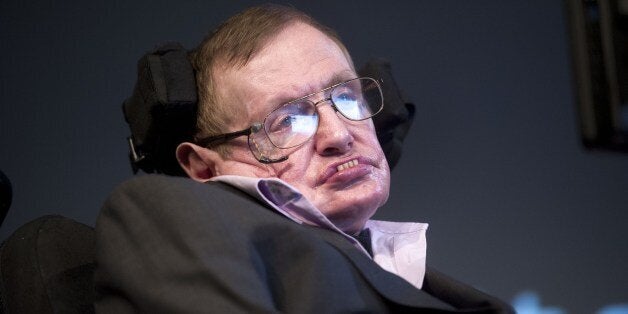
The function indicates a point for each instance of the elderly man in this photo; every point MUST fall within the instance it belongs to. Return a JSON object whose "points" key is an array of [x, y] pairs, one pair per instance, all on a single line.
{"points": [[292, 172]]}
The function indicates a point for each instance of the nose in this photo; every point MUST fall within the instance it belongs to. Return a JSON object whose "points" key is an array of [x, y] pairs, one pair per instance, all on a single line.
{"points": [[333, 136]]}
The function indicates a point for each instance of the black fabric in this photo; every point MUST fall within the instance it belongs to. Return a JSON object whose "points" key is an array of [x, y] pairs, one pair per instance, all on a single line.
{"points": [[393, 123], [456, 293], [47, 266]]}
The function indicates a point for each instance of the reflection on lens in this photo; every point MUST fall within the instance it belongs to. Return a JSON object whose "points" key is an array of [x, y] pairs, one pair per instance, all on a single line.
{"points": [[302, 128], [358, 99], [292, 124], [349, 109]]}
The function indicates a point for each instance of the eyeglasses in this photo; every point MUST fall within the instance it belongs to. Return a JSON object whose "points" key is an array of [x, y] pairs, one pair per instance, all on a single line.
{"points": [[294, 123]]}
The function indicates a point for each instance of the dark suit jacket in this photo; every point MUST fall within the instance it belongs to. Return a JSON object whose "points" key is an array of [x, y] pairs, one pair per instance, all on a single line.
{"points": [[172, 245]]}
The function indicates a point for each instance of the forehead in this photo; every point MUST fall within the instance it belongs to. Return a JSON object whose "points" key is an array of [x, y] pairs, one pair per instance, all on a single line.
{"points": [[297, 61]]}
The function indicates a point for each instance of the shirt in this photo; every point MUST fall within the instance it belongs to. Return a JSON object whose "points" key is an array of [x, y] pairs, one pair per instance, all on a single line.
{"points": [[397, 247]]}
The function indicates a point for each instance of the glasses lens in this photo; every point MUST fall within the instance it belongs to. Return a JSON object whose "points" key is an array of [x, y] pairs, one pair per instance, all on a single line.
{"points": [[358, 99], [291, 124]]}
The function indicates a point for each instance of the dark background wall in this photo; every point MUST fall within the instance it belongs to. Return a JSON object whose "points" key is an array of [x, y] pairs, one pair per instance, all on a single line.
{"points": [[493, 161]]}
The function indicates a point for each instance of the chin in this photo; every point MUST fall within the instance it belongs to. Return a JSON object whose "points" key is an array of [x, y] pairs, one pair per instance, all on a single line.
{"points": [[351, 217], [350, 208]]}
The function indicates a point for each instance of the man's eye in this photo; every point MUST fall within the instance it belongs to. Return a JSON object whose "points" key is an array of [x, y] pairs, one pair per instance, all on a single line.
{"points": [[282, 124], [346, 97]]}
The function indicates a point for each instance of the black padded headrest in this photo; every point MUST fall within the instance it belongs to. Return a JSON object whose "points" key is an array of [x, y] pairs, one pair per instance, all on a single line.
{"points": [[162, 110]]}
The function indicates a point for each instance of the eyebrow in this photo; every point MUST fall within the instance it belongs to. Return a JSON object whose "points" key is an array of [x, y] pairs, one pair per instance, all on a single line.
{"points": [[336, 78], [340, 77]]}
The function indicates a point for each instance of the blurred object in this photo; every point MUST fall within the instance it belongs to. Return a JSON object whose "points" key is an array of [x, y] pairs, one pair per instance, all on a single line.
{"points": [[6, 195], [47, 266], [599, 38]]}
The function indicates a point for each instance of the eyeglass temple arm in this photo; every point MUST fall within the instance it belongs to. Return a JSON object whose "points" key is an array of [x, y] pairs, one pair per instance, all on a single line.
{"points": [[266, 160], [222, 138]]}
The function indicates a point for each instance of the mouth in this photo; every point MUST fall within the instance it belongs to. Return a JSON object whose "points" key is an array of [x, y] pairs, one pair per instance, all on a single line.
{"points": [[346, 171]]}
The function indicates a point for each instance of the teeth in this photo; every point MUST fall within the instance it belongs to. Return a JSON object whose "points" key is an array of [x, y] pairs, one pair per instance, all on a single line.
{"points": [[347, 165]]}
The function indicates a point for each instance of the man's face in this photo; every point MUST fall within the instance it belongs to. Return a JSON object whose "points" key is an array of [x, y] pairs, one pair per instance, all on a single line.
{"points": [[298, 61]]}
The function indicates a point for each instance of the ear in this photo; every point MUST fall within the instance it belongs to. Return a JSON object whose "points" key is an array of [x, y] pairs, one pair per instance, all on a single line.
{"points": [[198, 162]]}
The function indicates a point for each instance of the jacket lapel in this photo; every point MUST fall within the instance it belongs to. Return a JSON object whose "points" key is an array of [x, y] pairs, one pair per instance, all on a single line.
{"points": [[387, 284], [439, 291]]}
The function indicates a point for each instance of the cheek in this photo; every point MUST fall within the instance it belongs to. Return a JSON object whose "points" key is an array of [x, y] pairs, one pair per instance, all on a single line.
{"points": [[364, 130], [368, 138], [382, 175], [241, 162], [384, 185], [298, 169], [380, 183]]}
